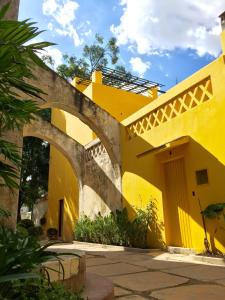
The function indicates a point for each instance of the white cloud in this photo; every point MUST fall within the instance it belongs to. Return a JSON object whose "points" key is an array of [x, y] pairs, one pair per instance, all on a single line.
{"points": [[64, 13], [56, 55], [50, 26], [139, 66], [155, 27], [52, 51]]}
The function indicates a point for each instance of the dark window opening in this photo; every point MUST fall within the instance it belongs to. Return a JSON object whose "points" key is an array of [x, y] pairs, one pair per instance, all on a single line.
{"points": [[202, 177]]}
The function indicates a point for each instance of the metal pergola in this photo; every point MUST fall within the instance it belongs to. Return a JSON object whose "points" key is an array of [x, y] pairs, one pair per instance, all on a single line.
{"points": [[125, 81]]}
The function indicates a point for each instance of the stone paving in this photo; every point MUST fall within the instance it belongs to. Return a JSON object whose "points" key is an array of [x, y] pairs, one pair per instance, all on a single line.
{"points": [[148, 275]]}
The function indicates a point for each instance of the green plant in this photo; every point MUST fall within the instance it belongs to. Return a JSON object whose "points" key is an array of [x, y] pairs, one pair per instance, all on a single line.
{"points": [[21, 257], [26, 223], [18, 58], [29, 227], [39, 289], [116, 228], [212, 211], [140, 225]]}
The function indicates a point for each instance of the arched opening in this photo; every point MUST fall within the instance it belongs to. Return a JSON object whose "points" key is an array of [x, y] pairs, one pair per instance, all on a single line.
{"points": [[100, 176], [72, 189]]}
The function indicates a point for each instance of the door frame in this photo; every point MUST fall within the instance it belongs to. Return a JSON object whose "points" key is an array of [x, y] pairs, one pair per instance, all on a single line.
{"points": [[164, 157], [60, 217]]}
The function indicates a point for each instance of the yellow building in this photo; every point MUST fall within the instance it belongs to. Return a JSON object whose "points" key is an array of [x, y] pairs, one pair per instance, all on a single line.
{"points": [[172, 151]]}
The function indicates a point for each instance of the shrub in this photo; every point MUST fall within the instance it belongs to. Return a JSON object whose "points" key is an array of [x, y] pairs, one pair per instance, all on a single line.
{"points": [[39, 289], [35, 231], [27, 226], [26, 223], [116, 228]]}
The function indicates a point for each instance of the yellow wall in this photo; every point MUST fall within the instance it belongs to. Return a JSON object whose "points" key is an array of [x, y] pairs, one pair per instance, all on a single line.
{"points": [[143, 176], [62, 185], [62, 180], [119, 103], [197, 112]]}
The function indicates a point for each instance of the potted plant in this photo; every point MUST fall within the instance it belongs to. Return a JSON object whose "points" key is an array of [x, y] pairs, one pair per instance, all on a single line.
{"points": [[52, 233]]}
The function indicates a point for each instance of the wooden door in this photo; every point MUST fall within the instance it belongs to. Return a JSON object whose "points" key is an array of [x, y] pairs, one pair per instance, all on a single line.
{"points": [[176, 209]]}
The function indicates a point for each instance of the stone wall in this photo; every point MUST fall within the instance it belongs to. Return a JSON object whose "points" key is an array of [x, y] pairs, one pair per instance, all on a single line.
{"points": [[101, 182]]}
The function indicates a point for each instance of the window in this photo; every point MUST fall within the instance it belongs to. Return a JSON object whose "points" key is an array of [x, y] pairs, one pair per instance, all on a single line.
{"points": [[202, 177]]}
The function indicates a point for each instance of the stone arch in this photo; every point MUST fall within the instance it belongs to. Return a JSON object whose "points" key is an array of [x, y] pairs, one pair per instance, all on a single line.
{"points": [[106, 182], [61, 94], [71, 149]]}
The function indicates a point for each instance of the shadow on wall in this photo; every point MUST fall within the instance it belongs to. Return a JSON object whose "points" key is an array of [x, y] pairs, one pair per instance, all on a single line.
{"points": [[61, 180], [150, 169]]}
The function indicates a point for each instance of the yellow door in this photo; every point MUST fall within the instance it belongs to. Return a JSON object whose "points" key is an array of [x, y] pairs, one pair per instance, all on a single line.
{"points": [[177, 225]]}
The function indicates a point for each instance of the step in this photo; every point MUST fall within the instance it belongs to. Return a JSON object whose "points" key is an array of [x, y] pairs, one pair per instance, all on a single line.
{"points": [[98, 288], [180, 250]]}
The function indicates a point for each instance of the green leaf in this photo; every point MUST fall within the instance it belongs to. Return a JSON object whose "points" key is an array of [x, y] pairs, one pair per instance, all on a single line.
{"points": [[4, 10], [19, 276]]}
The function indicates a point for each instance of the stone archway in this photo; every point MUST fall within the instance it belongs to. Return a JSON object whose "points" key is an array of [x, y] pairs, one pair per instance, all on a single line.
{"points": [[98, 179], [71, 149], [62, 95], [74, 153]]}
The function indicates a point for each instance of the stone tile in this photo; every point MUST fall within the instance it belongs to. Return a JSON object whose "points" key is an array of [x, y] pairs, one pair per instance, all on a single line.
{"points": [[147, 281], [221, 281], [120, 292], [117, 255], [200, 272], [97, 261], [132, 297], [191, 292], [160, 264], [115, 269]]}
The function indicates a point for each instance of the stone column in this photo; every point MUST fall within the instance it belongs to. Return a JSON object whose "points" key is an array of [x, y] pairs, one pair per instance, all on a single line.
{"points": [[13, 11], [9, 199]]}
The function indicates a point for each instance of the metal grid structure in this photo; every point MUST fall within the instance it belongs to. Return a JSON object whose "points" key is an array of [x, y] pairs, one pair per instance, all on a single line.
{"points": [[124, 81]]}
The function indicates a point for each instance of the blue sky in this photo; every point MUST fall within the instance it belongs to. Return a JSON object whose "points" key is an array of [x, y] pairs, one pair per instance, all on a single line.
{"points": [[164, 41]]}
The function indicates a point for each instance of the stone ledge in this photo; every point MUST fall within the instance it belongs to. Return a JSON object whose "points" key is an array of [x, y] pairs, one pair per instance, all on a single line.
{"points": [[180, 250], [210, 260], [71, 271]]}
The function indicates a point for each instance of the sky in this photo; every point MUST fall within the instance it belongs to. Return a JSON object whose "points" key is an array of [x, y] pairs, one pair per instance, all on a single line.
{"points": [[160, 40]]}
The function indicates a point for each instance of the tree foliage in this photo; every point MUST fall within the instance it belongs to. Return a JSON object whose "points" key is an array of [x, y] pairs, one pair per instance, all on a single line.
{"points": [[34, 173], [17, 58], [97, 55]]}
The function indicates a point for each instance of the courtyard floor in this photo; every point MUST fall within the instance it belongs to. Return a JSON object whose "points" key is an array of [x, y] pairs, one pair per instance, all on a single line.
{"points": [[154, 274]]}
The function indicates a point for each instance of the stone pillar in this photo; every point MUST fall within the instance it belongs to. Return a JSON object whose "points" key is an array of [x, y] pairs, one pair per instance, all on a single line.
{"points": [[9, 199], [97, 77], [13, 11]]}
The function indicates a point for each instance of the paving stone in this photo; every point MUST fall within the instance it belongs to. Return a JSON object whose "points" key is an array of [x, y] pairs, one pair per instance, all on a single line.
{"points": [[95, 261], [191, 292], [120, 292], [159, 264], [117, 255], [221, 281], [115, 269], [132, 297], [200, 272], [148, 281]]}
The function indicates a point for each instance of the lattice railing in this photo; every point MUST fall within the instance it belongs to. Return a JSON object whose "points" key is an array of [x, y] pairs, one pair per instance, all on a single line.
{"points": [[185, 101], [95, 151]]}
